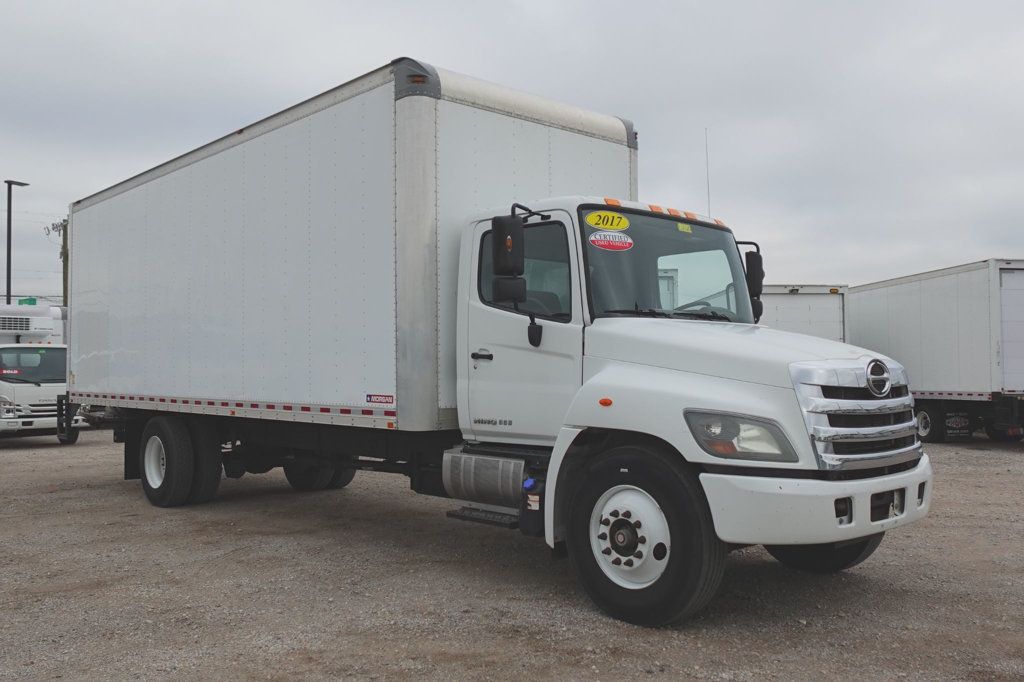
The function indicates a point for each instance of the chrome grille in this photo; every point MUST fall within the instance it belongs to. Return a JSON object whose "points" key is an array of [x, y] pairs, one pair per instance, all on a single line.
{"points": [[850, 426]]}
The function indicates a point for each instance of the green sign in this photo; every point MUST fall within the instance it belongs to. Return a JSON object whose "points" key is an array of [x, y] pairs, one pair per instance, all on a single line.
{"points": [[27, 301]]}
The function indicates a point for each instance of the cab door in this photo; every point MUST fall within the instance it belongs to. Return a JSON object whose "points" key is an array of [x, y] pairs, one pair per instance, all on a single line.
{"points": [[519, 393]]}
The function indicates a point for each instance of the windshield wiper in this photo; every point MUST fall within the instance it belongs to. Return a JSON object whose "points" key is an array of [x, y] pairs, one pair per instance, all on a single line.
{"points": [[20, 381], [643, 312], [704, 315]]}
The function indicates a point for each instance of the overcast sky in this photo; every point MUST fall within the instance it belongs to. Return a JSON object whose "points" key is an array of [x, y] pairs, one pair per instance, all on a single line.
{"points": [[855, 141]]}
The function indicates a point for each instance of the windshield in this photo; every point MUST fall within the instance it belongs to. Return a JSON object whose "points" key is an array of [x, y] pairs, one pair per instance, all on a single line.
{"points": [[639, 264], [19, 365]]}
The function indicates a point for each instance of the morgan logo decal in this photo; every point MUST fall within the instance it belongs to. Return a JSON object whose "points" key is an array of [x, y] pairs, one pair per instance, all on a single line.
{"points": [[379, 399]]}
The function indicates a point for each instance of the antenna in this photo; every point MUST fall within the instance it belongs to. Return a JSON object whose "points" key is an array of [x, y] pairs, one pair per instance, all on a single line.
{"points": [[707, 168]]}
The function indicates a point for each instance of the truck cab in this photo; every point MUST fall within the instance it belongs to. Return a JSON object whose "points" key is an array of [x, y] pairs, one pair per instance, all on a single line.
{"points": [[33, 372], [594, 325]]}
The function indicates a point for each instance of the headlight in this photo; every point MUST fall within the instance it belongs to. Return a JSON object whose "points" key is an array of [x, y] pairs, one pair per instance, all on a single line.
{"points": [[738, 436], [7, 408]]}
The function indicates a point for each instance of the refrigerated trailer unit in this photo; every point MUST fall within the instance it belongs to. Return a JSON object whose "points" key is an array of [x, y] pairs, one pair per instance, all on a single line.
{"points": [[960, 333], [422, 273], [815, 309]]}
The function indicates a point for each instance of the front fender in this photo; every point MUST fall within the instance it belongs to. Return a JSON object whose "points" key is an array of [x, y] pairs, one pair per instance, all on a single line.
{"points": [[651, 400]]}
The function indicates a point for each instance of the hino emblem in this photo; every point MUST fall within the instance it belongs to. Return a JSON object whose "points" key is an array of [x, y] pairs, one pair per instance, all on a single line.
{"points": [[878, 379]]}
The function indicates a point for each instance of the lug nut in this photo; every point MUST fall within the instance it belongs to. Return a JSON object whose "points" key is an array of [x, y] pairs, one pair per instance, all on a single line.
{"points": [[617, 561], [627, 562], [614, 513], [638, 555], [605, 522], [602, 536], [636, 524], [626, 514], [606, 550], [642, 539]]}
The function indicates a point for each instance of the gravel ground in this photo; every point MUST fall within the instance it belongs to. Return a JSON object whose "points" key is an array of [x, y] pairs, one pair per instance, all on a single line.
{"points": [[375, 582]]}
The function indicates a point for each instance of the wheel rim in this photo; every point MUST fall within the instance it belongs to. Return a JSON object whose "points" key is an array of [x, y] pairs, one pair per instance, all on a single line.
{"points": [[924, 424], [630, 537], [155, 462]]}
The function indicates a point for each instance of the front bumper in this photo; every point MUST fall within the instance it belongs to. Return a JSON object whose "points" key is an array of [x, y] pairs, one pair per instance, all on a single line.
{"points": [[757, 510], [10, 426]]}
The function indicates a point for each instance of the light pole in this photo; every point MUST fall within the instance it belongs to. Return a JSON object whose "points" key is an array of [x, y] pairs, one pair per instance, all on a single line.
{"points": [[11, 184]]}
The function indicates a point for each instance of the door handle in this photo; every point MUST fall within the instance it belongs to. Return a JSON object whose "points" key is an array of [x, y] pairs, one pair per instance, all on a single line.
{"points": [[482, 355]]}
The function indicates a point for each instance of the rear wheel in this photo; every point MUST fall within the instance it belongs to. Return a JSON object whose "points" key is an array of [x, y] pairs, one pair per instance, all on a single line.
{"points": [[825, 558], [166, 461], [69, 438], [642, 539], [931, 425], [307, 477], [341, 478]]}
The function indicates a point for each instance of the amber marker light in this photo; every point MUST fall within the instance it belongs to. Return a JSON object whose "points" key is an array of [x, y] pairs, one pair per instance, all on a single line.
{"points": [[605, 402]]}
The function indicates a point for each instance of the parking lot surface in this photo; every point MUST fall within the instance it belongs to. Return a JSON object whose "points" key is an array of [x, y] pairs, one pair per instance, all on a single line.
{"points": [[373, 581]]}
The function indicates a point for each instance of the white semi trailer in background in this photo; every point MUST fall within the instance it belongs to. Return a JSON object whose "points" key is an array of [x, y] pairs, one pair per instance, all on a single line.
{"points": [[422, 273], [33, 371], [815, 309], [960, 333]]}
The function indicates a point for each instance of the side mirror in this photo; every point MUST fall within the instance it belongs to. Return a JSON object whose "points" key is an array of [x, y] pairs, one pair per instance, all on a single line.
{"points": [[755, 273], [509, 289], [507, 254]]}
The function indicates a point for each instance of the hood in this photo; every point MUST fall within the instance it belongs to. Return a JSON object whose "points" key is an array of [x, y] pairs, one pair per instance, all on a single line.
{"points": [[742, 352], [30, 394]]}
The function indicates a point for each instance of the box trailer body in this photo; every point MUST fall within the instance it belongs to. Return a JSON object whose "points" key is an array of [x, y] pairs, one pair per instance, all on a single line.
{"points": [[814, 309], [421, 273], [960, 333], [33, 371]]}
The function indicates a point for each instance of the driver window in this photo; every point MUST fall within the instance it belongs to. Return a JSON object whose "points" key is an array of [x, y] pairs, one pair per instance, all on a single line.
{"points": [[696, 280], [548, 283]]}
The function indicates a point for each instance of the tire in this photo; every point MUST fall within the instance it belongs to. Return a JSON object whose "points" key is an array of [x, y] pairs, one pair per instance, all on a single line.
{"points": [[69, 438], [681, 568], [209, 465], [825, 558], [307, 477], [1001, 436], [341, 478], [166, 461], [931, 424]]}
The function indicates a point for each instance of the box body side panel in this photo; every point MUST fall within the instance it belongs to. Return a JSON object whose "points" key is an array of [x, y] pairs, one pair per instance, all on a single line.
{"points": [[264, 272]]}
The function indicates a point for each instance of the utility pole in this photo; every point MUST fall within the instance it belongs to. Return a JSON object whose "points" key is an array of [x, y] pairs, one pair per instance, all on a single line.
{"points": [[11, 184]]}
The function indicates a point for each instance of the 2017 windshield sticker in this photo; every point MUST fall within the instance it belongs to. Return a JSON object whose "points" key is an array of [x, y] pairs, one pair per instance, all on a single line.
{"points": [[611, 241], [607, 220]]}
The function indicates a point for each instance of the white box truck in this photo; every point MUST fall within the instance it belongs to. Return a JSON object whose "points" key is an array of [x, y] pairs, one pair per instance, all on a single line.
{"points": [[815, 309], [33, 371], [422, 273], [960, 333]]}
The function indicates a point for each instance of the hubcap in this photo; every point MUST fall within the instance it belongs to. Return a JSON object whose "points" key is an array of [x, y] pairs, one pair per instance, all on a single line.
{"points": [[924, 424], [629, 536], [155, 462]]}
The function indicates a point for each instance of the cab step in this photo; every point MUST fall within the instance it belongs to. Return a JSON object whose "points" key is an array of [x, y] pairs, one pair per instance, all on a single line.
{"points": [[491, 518]]}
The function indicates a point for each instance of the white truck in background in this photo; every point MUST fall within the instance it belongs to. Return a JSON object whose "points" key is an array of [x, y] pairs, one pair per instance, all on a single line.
{"points": [[960, 333], [33, 371], [814, 309], [421, 273]]}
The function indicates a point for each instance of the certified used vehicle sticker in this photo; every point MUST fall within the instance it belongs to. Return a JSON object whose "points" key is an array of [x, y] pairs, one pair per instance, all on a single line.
{"points": [[611, 241], [607, 220]]}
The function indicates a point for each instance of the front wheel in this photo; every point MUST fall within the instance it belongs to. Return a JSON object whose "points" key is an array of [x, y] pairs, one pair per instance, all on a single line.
{"points": [[642, 539], [825, 558]]}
